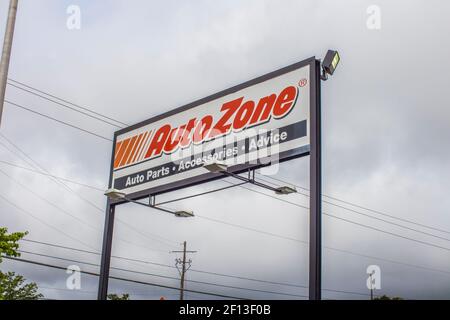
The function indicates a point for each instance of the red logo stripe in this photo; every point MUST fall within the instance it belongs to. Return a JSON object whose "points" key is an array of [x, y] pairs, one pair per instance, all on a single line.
{"points": [[133, 150], [139, 148], [119, 156], [127, 152]]}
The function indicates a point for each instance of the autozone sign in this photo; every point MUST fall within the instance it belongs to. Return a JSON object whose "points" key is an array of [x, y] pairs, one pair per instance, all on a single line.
{"points": [[257, 123]]}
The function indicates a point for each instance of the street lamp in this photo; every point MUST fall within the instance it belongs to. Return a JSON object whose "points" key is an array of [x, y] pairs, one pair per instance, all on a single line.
{"points": [[221, 167], [184, 213], [116, 194], [285, 190], [115, 197], [215, 166]]}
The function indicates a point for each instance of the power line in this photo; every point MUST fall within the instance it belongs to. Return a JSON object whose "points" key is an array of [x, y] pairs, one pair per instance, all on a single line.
{"points": [[305, 242], [392, 261], [246, 278], [57, 120], [386, 232], [49, 202], [386, 260], [51, 175], [89, 291], [164, 265], [65, 106], [69, 102], [58, 258], [346, 220], [389, 222], [65, 289], [282, 181], [304, 207], [375, 218], [200, 194], [124, 279], [201, 282], [94, 252], [251, 229], [270, 196], [259, 280], [60, 246], [65, 211], [391, 216], [164, 286], [164, 276], [349, 221], [36, 166], [33, 163], [43, 222], [359, 206], [92, 291], [74, 192]]}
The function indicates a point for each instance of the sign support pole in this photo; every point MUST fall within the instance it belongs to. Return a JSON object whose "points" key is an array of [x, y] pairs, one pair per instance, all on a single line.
{"points": [[106, 251], [315, 180], [315, 243], [105, 262]]}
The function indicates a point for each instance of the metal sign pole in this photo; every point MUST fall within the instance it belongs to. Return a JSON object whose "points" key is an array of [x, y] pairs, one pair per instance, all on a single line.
{"points": [[315, 180], [107, 239], [106, 251]]}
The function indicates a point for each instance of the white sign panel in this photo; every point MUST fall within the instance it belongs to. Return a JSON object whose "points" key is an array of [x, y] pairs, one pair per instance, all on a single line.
{"points": [[254, 124]]}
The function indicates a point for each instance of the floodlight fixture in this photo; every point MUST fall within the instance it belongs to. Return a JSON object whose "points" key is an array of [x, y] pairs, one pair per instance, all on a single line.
{"points": [[215, 166], [285, 190], [184, 213], [330, 63], [221, 167], [115, 194]]}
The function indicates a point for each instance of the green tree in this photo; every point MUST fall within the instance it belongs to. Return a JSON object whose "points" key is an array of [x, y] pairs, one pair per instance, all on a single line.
{"points": [[12, 287], [114, 296], [8, 242]]}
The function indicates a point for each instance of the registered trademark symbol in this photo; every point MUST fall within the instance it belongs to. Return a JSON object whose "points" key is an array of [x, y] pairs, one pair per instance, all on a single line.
{"points": [[302, 82]]}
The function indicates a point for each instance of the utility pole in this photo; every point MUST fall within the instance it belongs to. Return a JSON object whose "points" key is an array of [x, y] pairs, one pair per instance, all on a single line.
{"points": [[183, 272], [183, 263], [6, 53]]}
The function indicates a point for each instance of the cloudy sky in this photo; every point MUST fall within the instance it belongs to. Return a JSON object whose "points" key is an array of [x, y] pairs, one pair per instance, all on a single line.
{"points": [[386, 123]]}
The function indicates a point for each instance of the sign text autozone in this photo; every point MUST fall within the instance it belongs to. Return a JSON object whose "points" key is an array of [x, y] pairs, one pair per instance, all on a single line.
{"points": [[257, 123]]}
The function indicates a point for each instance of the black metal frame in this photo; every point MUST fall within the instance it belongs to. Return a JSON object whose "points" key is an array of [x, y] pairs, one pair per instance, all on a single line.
{"points": [[251, 179], [315, 175], [315, 185]]}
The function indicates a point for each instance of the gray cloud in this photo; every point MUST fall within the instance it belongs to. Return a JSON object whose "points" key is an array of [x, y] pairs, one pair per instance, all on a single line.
{"points": [[385, 120]]}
